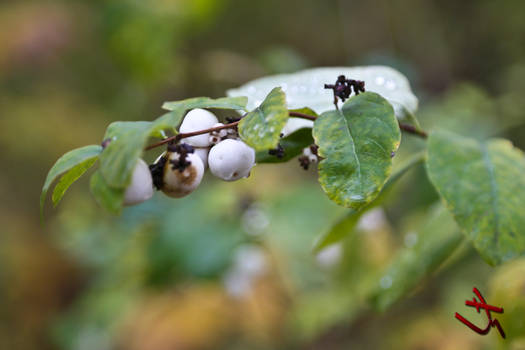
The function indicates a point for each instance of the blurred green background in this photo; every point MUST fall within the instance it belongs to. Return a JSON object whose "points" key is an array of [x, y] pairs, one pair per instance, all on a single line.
{"points": [[230, 267]]}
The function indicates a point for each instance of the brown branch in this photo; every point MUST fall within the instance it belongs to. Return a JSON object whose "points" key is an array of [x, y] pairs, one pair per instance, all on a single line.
{"points": [[190, 134], [406, 127], [180, 136], [413, 130]]}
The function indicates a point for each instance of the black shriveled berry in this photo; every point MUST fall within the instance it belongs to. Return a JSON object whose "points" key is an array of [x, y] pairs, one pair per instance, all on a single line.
{"points": [[304, 162], [278, 151]]}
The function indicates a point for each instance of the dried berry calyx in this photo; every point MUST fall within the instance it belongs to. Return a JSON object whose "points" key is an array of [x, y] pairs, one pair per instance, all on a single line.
{"points": [[343, 88], [182, 162], [177, 183], [278, 151]]}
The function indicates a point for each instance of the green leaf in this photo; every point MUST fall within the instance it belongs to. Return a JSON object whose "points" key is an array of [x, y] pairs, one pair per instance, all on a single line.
{"points": [[237, 103], [129, 138], [483, 185], [345, 226], [292, 144], [109, 198], [357, 143], [261, 128], [69, 178], [305, 88], [437, 240], [66, 163]]}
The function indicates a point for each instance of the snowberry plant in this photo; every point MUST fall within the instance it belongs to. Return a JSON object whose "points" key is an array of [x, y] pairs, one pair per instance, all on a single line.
{"points": [[346, 122]]}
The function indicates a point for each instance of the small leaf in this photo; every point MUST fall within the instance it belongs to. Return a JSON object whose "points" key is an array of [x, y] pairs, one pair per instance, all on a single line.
{"points": [[482, 184], [345, 226], [261, 128], [437, 240], [65, 163], [237, 103], [306, 87], [357, 144], [292, 144], [109, 198], [69, 178]]}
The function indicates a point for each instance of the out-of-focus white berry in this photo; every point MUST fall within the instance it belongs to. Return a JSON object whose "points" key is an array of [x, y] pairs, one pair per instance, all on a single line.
{"points": [[330, 255], [294, 124], [198, 119], [231, 160], [181, 183], [141, 187], [202, 152]]}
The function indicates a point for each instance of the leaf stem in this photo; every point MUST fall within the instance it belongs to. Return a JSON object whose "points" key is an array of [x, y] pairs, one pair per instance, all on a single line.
{"points": [[302, 115], [413, 130]]}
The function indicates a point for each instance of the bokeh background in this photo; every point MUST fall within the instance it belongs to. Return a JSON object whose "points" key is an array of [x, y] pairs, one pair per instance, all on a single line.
{"points": [[231, 267]]}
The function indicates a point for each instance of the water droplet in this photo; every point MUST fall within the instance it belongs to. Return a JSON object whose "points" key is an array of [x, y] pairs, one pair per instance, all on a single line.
{"points": [[356, 197], [379, 80], [385, 282], [390, 85]]}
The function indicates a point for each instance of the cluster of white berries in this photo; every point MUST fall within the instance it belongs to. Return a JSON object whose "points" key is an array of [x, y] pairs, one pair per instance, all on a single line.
{"points": [[179, 171]]}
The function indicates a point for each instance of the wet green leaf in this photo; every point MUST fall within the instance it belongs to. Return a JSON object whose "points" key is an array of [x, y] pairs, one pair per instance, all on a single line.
{"points": [[483, 185], [437, 240], [238, 103], [65, 163], [260, 128], [345, 226], [305, 88], [357, 143]]}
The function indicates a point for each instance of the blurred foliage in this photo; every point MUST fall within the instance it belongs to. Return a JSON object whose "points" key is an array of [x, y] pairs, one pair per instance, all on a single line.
{"points": [[231, 266]]}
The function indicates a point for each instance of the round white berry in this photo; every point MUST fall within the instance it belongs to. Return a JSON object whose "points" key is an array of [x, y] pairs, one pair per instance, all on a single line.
{"points": [[198, 119], [202, 152], [231, 160], [178, 183], [141, 187]]}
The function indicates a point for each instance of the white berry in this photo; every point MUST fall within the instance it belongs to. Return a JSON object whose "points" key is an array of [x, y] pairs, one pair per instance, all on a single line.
{"points": [[141, 187], [196, 120], [202, 152], [231, 160], [181, 183]]}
